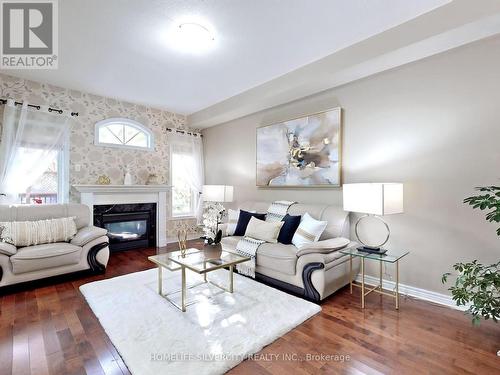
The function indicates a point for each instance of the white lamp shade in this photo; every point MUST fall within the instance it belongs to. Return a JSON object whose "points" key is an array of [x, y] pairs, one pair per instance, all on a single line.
{"points": [[374, 198], [217, 193]]}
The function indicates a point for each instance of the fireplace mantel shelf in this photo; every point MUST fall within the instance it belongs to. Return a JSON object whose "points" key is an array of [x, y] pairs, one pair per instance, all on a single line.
{"points": [[121, 188]]}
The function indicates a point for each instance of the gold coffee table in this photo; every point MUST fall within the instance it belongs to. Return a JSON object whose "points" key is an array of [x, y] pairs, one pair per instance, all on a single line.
{"points": [[197, 261]]}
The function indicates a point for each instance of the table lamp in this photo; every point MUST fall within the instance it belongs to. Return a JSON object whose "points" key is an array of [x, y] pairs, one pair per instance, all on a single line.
{"points": [[215, 195], [373, 200]]}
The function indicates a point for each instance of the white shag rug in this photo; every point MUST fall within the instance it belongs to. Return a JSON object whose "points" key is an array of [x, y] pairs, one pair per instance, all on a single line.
{"points": [[211, 337]]}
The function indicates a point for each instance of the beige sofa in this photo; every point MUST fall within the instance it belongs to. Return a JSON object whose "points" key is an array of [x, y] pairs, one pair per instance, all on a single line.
{"points": [[88, 250], [315, 275]]}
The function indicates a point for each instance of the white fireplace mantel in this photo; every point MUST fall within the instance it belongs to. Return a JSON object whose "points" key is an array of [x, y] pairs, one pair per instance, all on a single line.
{"points": [[92, 195], [121, 188]]}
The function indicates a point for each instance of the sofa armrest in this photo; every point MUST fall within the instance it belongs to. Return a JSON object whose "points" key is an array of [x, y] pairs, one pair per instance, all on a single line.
{"points": [[323, 247], [87, 234], [7, 249]]}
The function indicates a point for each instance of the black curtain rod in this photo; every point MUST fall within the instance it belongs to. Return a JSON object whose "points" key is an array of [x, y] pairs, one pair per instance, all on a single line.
{"points": [[60, 111], [185, 132]]}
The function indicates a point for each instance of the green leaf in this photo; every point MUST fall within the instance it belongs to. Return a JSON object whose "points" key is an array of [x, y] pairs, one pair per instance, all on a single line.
{"points": [[444, 278], [489, 200]]}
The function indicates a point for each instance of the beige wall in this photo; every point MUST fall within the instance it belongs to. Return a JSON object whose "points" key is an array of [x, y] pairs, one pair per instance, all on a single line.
{"points": [[434, 125], [96, 160]]}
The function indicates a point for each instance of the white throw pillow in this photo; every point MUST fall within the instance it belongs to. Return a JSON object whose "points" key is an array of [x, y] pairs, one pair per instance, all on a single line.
{"points": [[263, 230], [28, 233], [232, 220], [309, 230]]}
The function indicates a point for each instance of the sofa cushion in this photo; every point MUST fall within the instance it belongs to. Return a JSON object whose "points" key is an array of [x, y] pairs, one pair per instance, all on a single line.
{"points": [[38, 257], [275, 256], [87, 234], [290, 225], [229, 243], [27, 233], [243, 220], [278, 257]]}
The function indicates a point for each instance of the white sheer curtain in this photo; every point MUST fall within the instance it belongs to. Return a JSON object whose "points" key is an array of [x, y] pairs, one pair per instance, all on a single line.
{"points": [[31, 139], [191, 146]]}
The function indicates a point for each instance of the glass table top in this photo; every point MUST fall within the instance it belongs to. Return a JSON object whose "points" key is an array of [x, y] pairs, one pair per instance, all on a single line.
{"points": [[198, 260], [390, 256]]}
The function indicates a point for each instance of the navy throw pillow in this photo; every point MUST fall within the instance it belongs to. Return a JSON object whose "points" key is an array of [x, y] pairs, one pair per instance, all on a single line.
{"points": [[243, 221], [290, 225]]}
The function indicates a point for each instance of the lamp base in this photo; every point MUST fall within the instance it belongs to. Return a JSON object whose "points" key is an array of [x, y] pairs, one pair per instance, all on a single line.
{"points": [[377, 249], [372, 250]]}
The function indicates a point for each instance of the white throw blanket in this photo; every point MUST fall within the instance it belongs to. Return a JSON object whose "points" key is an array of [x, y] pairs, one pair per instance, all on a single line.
{"points": [[248, 246]]}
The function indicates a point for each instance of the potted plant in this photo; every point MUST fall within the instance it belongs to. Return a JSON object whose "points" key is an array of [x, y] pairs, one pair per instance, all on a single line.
{"points": [[478, 285], [212, 217]]}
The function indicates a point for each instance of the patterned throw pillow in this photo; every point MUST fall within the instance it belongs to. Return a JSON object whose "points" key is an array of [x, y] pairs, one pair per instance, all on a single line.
{"points": [[28, 233], [3, 235], [309, 230]]}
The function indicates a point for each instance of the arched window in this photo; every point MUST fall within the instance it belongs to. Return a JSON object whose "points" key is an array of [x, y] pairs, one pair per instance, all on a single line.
{"points": [[123, 132]]}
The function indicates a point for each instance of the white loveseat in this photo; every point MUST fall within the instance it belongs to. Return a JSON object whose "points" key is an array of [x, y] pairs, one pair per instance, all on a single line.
{"points": [[312, 275], [87, 250]]}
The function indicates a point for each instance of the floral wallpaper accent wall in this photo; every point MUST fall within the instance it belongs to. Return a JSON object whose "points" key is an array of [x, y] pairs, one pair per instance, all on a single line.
{"points": [[97, 160]]}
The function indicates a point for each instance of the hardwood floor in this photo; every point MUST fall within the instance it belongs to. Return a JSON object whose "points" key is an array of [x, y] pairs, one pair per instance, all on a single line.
{"points": [[51, 330]]}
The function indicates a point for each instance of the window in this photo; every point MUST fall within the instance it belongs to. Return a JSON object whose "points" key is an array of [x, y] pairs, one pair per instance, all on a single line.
{"points": [[51, 185], [45, 187], [35, 156], [122, 132], [186, 174], [183, 199]]}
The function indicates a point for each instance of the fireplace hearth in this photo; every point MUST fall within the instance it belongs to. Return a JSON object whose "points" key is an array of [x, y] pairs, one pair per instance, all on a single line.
{"points": [[130, 226]]}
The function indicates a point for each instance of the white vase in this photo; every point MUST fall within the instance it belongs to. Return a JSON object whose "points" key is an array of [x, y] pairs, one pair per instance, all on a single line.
{"points": [[128, 179]]}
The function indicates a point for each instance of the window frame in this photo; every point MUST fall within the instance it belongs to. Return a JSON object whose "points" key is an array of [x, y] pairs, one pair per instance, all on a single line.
{"points": [[128, 122], [192, 213], [63, 172]]}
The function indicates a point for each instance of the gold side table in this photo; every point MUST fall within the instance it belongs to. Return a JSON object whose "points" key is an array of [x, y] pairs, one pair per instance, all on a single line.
{"points": [[388, 257]]}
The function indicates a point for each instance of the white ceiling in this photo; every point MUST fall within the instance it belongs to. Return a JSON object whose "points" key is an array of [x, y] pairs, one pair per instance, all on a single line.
{"points": [[117, 48]]}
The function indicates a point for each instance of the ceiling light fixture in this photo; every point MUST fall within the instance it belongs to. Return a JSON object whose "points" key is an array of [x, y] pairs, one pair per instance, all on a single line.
{"points": [[192, 37]]}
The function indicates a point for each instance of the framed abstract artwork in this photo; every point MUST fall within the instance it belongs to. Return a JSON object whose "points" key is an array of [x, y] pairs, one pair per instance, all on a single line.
{"points": [[302, 152]]}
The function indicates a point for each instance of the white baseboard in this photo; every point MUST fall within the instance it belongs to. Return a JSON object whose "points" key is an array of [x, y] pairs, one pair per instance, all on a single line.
{"points": [[427, 295]]}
